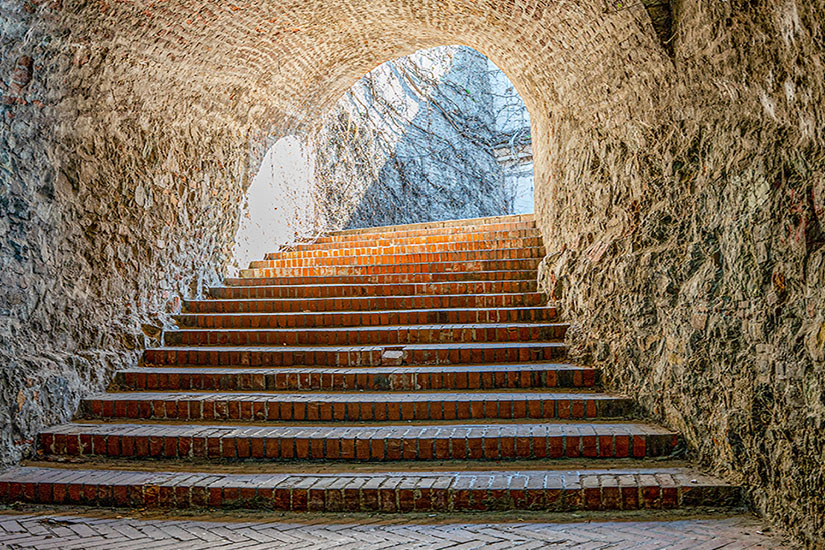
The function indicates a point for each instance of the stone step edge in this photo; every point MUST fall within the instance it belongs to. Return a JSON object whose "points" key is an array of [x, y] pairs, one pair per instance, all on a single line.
{"points": [[486, 220], [411, 267], [397, 492], [379, 328], [369, 241], [268, 260], [347, 285], [384, 297], [348, 248], [235, 378], [362, 443], [517, 272]]}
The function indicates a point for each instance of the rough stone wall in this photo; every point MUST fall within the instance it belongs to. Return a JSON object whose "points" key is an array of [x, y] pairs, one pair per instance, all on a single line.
{"points": [[680, 187], [111, 212], [687, 218]]}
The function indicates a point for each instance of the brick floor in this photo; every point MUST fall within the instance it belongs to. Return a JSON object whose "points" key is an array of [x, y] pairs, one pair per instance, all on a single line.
{"points": [[44, 531]]}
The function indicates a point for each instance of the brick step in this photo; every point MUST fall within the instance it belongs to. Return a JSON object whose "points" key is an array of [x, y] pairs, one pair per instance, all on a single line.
{"points": [[369, 248], [357, 356], [549, 375], [386, 278], [366, 303], [422, 267], [458, 222], [374, 258], [359, 335], [385, 443], [366, 318], [556, 490], [354, 407], [485, 230], [515, 236], [348, 291]]}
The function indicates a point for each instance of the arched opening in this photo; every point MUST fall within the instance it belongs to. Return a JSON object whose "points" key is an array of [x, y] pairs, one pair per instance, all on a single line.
{"points": [[436, 135], [439, 134], [677, 189]]}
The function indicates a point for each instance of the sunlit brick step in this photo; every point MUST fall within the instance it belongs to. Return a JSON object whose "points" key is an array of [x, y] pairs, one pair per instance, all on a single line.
{"points": [[546, 375], [341, 291], [486, 230], [421, 267], [386, 278], [366, 318], [554, 490], [369, 443], [375, 258], [518, 238], [358, 356], [370, 248], [366, 303], [359, 335], [458, 222], [339, 406]]}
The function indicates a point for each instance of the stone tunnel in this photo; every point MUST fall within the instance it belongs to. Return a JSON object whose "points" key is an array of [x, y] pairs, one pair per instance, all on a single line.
{"points": [[679, 174]]}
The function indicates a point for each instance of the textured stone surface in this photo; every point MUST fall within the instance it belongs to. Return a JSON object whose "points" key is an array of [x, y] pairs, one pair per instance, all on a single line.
{"points": [[683, 193]]}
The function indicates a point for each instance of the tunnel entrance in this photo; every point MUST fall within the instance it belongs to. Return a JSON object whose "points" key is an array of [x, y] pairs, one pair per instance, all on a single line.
{"points": [[436, 135]]}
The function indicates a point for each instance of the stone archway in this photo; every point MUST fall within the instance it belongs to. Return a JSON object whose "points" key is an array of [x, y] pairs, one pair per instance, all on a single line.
{"points": [[682, 193]]}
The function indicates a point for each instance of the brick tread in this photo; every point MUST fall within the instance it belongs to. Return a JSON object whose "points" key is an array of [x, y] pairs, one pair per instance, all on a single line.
{"points": [[378, 258], [629, 489], [362, 443], [458, 222], [365, 335], [369, 303], [404, 289], [351, 356], [386, 278], [374, 378], [379, 406], [496, 238], [484, 229], [365, 318], [400, 268], [385, 247]]}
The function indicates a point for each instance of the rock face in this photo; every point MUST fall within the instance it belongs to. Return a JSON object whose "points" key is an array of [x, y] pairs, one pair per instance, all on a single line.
{"points": [[414, 141], [679, 188]]}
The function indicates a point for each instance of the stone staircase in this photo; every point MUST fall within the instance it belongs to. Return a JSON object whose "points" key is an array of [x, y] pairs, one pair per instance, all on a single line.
{"points": [[393, 369]]}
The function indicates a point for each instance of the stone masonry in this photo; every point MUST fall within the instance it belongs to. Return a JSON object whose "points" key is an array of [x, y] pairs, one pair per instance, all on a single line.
{"points": [[678, 155]]}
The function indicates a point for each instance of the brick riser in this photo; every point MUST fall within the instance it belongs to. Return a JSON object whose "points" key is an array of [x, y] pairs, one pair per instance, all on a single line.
{"points": [[468, 241], [385, 278], [483, 232], [425, 266], [353, 336], [358, 408], [369, 248], [401, 259], [318, 379], [418, 354], [380, 303], [463, 491], [348, 291], [367, 318], [393, 444]]}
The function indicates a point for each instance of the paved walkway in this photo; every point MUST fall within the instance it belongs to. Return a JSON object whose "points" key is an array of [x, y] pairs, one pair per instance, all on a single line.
{"points": [[45, 531]]}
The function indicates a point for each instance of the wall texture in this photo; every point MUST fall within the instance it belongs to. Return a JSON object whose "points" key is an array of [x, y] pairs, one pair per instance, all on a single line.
{"points": [[679, 183]]}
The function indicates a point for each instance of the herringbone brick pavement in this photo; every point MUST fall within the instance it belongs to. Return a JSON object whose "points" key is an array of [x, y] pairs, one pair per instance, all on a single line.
{"points": [[64, 532]]}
